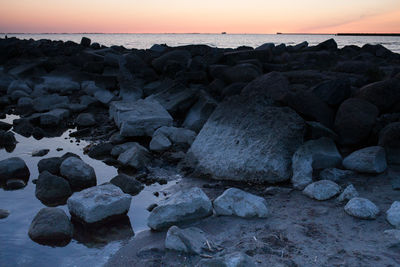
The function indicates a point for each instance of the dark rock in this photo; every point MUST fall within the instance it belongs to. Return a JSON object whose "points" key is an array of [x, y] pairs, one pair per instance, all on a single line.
{"points": [[389, 138], [13, 168], [273, 85], [333, 92], [5, 126], [24, 128], [367, 160], [7, 139], [15, 184], [179, 56], [85, 42], [327, 45], [51, 226], [354, 121], [4, 214], [100, 151], [240, 73], [200, 112], [127, 184], [384, 94], [233, 89], [52, 165], [52, 190], [85, 119], [310, 107], [316, 130], [79, 174]]}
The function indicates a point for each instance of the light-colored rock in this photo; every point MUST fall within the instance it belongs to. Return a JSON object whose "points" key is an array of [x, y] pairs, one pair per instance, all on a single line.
{"points": [[79, 174], [165, 136], [190, 240], [314, 154], [322, 190], [13, 168], [239, 203], [181, 207], [368, 160], [51, 225], [361, 208], [137, 156], [348, 193], [247, 139], [98, 203], [334, 174], [393, 214], [139, 118]]}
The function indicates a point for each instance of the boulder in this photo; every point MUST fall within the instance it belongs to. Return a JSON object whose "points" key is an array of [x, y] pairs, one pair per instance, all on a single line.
{"points": [[333, 92], [119, 149], [140, 118], [51, 226], [48, 102], [99, 203], [100, 151], [322, 190], [247, 139], [393, 214], [25, 105], [361, 208], [176, 99], [53, 117], [181, 207], [199, 113], [273, 85], [239, 203], [137, 157], [334, 174], [177, 136], [15, 184], [52, 165], [13, 168], [354, 121], [384, 94], [348, 193], [52, 190], [367, 160], [240, 73], [191, 240], [310, 107], [128, 184], [85, 120], [316, 130], [85, 42], [7, 139], [79, 174], [59, 85], [314, 154], [389, 138], [182, 57]]}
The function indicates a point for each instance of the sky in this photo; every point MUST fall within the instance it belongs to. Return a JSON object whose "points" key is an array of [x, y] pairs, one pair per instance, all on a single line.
{"points": [[201, 16]]}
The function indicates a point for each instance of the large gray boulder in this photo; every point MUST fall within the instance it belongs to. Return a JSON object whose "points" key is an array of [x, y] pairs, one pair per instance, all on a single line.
{"points": [[322, 190], [393, 214], [247, 139], [52, 190], [51, 226], [273, 85], [181, 207], [99, 203], [140, 118], [191, 240], [361, 208], [354, 121], [79, 174], [13, 168], [199, 113], [314, 154], [368, 160], [239, 203]]}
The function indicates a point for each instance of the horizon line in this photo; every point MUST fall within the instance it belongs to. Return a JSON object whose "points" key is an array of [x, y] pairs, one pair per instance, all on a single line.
{"points": [[220, 33]]}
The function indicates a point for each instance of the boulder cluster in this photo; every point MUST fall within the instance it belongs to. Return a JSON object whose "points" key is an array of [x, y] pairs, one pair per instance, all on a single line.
{"points": [[311, 116]]}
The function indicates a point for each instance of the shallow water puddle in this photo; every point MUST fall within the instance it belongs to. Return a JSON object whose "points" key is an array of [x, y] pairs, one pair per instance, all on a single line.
{"points": [[88, 248]]}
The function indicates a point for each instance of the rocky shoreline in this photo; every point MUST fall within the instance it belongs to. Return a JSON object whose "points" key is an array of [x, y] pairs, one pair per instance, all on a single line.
{"points": [[249, 129]]}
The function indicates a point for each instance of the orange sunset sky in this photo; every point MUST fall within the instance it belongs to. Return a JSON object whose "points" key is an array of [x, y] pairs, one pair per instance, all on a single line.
{"points": [[205, 16]]}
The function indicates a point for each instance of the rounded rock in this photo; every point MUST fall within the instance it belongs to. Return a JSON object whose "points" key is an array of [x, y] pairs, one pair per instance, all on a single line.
{"points": [[361, 208], [322, 190]]}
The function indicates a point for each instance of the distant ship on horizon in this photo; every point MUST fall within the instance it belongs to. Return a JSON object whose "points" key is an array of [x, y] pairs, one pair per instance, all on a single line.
{"points": [[223, 32]]}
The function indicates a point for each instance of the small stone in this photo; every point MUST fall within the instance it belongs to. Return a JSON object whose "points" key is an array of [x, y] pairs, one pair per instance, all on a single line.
{"points": [[393, 214], [322, 190], [190, 240], [4, 214], [239, 203], [151, 207], [348, 193], [51, 226], [361, 208], [40, 153]]}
